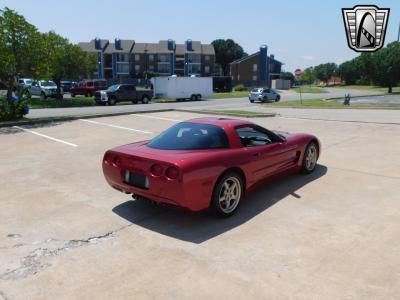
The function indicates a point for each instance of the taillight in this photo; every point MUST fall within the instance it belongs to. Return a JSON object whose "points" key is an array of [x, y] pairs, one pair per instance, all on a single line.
{"points": [[156, 170], [172, 173], [116, 162], [107, 158]]}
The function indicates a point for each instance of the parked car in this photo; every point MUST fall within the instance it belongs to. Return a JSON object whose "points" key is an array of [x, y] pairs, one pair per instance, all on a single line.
{"points": [[208, 163], [24, 84], [123, 92], [88, 87], [44, 89], [66, 85], [263, 95]]}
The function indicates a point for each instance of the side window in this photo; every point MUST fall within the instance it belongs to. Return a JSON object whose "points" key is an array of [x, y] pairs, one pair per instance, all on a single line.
{"points": [[266, 90], [252, 136], [89, 84]]}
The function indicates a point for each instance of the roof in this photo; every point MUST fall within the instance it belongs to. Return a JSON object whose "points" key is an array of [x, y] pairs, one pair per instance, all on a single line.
{"points": [[90, 46], [145, 48], [126, 47], [219, 121], [255, 54]]}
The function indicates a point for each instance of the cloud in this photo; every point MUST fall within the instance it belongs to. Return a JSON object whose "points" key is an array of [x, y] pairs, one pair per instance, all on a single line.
{"points": [[307, 57]]}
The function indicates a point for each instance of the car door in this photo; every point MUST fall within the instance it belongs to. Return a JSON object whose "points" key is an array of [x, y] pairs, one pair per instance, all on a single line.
{"points": [[122, 93], [269, 153], [130, 93], [35, 88]]}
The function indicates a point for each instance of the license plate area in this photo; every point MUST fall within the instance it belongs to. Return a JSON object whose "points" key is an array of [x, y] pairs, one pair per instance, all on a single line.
{"points": [[136, 179]]}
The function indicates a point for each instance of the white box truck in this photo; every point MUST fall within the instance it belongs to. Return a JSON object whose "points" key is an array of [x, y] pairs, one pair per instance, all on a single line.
{"points": [[181, 88]]}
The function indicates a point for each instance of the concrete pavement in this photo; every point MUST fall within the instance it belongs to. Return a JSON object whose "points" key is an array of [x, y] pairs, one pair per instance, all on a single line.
{"points": [[65, 234]]}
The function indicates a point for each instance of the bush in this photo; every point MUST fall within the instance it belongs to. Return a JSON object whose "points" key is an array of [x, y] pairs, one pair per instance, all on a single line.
{"points": [[16, 110], [240, 88]]}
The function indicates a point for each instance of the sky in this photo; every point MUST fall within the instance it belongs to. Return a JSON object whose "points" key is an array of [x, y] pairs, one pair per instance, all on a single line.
{"points": [[299, 33]]}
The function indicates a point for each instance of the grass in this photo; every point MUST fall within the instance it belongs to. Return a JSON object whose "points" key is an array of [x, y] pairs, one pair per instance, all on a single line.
{"points": [[230, 95], [371, 88], [54, 103], [308, 89], [320, 103]]}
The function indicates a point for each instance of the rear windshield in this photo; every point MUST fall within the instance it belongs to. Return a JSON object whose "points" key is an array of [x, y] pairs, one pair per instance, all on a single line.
{"points": [[190, 136], [256, 90]]}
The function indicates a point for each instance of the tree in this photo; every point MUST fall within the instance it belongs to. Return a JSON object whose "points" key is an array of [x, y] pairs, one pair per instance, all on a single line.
{"points": [[387, 66], [325, 71], [226, 51], [308, 75], [19, 50], [64, 60]]}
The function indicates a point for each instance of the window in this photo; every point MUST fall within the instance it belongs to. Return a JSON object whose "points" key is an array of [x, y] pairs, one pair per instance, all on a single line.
{"points": [[151, 57], [254, 77], [191, 136], [254, 67], [266, 90], [151, 68], [251, 136], [137, 57], [163, 58], [207, 58], [207, 69], [123, 68], [194, 69], [137, 68], [194, 58], [163, 68]]}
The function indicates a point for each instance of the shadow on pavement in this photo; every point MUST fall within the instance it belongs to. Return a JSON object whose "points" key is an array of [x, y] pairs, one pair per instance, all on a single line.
{"points": [[200, 227]]}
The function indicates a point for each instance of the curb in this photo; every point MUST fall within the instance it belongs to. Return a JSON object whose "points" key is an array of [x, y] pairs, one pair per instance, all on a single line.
{"points": [[71, 118], [260, 115], [361, 96]]}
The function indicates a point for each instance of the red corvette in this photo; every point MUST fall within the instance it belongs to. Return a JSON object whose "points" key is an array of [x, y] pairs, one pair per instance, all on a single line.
{"points": [[207, 163]]}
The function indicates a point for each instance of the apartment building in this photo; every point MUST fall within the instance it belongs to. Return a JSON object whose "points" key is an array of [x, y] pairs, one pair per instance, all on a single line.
{"points": [[128, 59], [257, 69]]}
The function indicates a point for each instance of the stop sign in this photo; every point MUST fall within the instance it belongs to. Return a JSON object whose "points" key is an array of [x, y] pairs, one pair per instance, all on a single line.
{"points": [[298, 72]]}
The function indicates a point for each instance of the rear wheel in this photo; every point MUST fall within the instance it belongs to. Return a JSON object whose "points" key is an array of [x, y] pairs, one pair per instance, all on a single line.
{"points": [[145, 99], [72, 95], [112, 101], [310, 158], [278, 97], [193, 97], [198, 97], [134, 101], [251, 101], [227, 194]]}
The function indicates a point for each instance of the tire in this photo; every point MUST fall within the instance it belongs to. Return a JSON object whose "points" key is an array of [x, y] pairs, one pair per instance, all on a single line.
{"points": [[42, 96], [278, 97], [112, 101], [72, 95], [229, 185], [134, 101], [310, 158], [193, 97], [145, 99], [198, 97], [251, 101], [265, 99]]}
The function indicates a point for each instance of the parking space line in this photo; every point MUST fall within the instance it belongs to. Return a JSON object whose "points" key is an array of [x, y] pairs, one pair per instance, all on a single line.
{"points": [[154, 117], [115, 126], [46, 136]]}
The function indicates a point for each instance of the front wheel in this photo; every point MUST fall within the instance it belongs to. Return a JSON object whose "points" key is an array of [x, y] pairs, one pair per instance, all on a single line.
{"points": [[145, 99], [198, 97], [42, 96], [227, 194], [193, 97], [112, 101], [310, 158], [277, 98]]}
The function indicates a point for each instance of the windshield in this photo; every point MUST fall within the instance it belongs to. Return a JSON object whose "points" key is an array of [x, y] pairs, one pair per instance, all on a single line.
{"points": [[256, 90], [113, 87], [47, 83], [190, 136], [28, 81]]}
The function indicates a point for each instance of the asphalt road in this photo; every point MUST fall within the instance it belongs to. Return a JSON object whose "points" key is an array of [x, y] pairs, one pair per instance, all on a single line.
{"points": [[228, 103]]}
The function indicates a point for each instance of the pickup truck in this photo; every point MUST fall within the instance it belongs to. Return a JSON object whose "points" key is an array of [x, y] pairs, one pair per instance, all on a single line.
{"points": [[88, 87], [43, 88], [123, 92]]}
